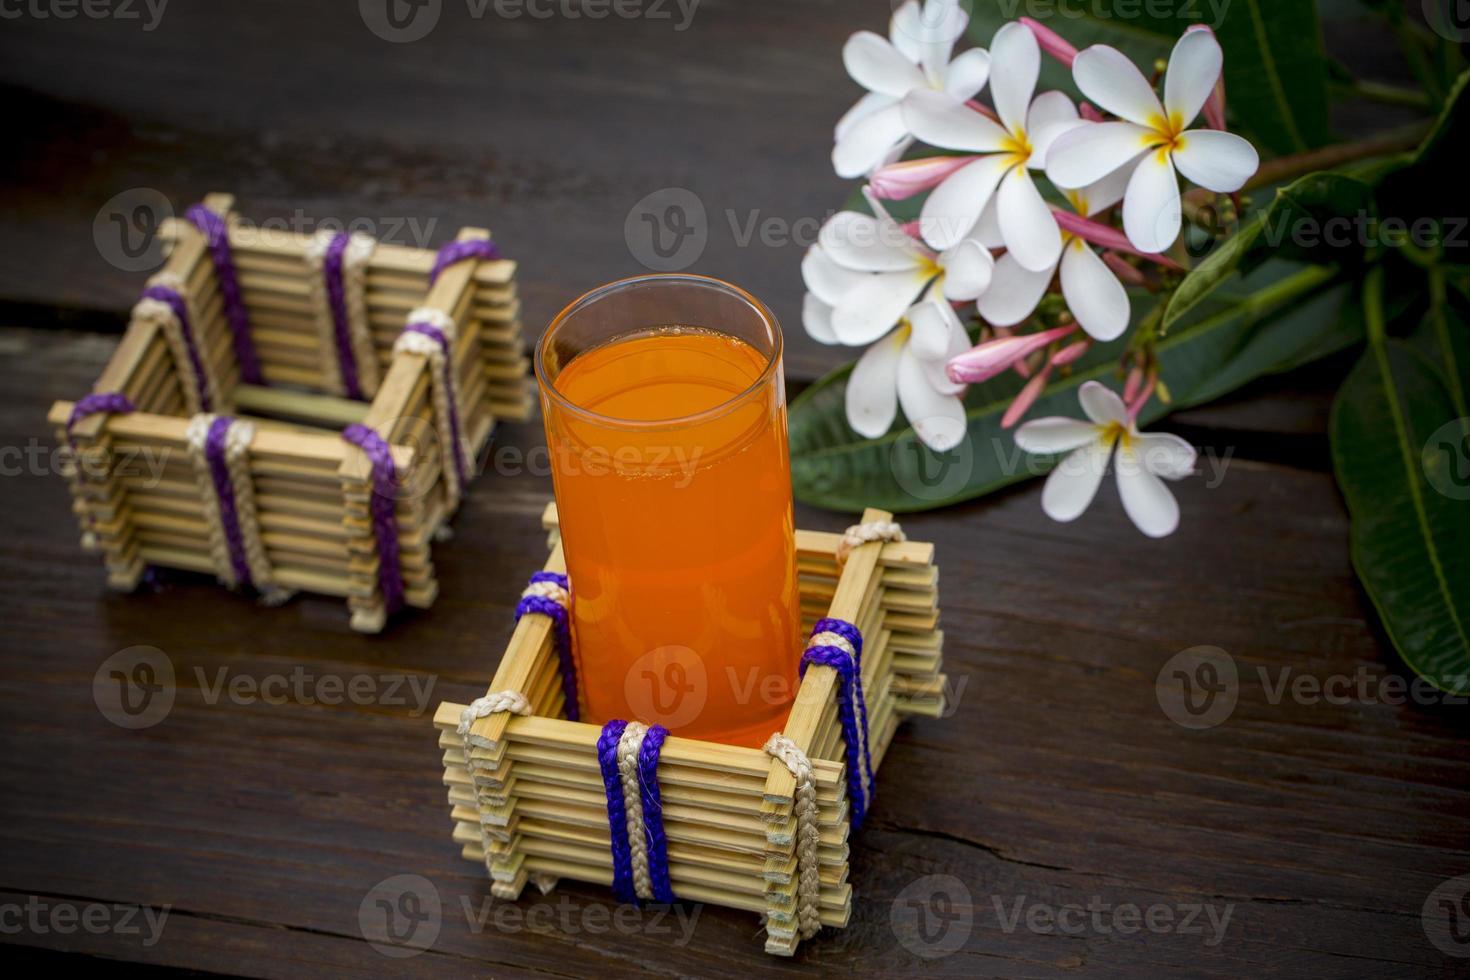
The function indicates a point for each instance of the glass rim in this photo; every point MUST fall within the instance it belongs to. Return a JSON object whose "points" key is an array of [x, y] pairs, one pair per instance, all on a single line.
{"points": [[773, 359]]}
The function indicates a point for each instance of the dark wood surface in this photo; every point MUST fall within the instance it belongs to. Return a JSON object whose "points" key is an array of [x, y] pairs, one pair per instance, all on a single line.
{"points": [[1320, 828]]}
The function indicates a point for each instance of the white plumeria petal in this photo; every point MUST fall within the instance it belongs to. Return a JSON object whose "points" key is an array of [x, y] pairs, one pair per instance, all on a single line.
{"points": [[1098, 197], [1102, 404], [1194, 68], [1091, 152], [937, 336], [1015, 59], [829, 281], [1054, 435], [1152, 215], [927, 35], [1112, 81], [1014, 292], [938, 418], [869, 143], [1051, 115], [861, 109], [1030, 231], [872, 308], [872, 388], [1215, 160], [858, 241], [1093, 293], [954, 207], [967, 74], [942, 121], [1165, 454], [907, 31], [878, 66], [968, 269], [1148, 502], [1072, 485], [987, 229], [816, 316]]}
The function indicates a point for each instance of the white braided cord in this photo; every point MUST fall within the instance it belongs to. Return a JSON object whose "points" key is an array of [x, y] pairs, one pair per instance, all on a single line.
{"points": [[861, 534], [808, 885], [628, 747]]}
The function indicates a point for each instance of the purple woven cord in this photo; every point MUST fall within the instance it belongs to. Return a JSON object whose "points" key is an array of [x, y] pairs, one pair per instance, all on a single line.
{"points": [[470, 248], [653, 814], [617, 814], [382, 504], [114, 402], [853, 635], [181, 310], [217, 236], [461, 465], [337, 302], [854, 725], [562, 637], [224, 491]]}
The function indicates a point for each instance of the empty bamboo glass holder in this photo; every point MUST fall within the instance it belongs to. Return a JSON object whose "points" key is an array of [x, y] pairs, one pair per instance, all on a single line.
{"points": [[526, 794], [312, 490]]}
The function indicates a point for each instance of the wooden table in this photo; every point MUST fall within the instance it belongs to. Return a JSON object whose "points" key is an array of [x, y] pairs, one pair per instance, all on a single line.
{"points": [[1089, 834]]}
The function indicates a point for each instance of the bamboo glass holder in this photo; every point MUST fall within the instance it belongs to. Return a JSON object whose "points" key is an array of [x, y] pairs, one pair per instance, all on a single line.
{"points": [[312, 489], [528, 799]]}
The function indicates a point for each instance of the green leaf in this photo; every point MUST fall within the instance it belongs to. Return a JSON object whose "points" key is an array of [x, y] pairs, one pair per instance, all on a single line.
{"points": [[1301, 222], [1276, 73], [1285, 316], [1403, 462]]}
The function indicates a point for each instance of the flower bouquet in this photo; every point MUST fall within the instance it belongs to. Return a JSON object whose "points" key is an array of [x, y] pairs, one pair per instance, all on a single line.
{"points": [[1032, 285]]}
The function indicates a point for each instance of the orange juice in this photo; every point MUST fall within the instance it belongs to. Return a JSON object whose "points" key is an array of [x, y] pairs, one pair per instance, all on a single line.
{"points": [[673, 485]]}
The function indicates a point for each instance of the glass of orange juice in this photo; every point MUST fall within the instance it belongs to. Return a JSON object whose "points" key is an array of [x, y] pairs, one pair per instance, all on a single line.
{"points": [[665, 414]]}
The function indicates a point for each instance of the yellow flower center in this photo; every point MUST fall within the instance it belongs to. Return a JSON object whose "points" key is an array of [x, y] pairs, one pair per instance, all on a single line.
{"points": [[1165, 135], [1018, 146]]}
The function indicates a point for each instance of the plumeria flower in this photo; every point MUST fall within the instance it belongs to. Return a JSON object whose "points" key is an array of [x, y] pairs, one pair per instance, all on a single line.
{"points": [[1093, 293], [1144, 461], [915, 56], [1151, 141], [1009, 150], [865, 271], [907, 368]]}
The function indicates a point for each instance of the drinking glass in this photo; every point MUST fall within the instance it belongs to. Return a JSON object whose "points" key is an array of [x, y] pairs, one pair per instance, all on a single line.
{"points": [[665, 414]]}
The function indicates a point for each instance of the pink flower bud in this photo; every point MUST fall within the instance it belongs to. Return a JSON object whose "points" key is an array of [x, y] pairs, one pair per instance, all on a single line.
{"points": [[1072, 352], [995, 356], [899, 181], [1026, 398], [1051, 42]]}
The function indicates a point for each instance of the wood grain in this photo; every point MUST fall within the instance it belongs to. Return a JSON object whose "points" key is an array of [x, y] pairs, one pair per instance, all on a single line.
{"points": [[1323, 828]]}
